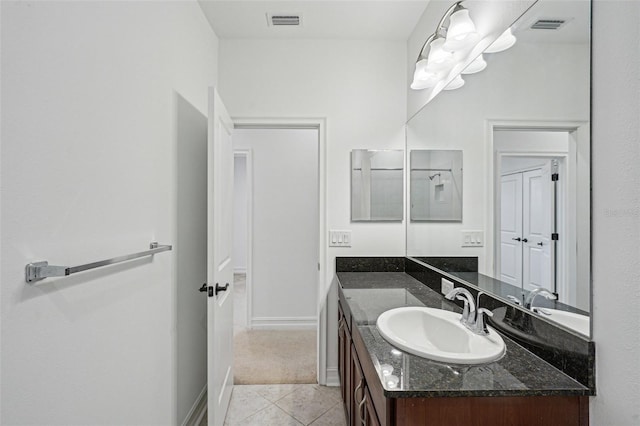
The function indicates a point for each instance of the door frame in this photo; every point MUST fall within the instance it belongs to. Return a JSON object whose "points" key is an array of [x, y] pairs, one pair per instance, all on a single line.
{"points": [[248, 155], [324, 282], [579, 136]]}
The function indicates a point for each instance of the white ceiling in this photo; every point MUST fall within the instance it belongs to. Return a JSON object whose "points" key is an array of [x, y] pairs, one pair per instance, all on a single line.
{"points": [[329, 19], [374, 20]]}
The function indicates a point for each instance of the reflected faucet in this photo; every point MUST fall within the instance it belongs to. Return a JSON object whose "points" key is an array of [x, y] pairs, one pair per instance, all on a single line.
{"points": [[472, 318], [528, 302]]}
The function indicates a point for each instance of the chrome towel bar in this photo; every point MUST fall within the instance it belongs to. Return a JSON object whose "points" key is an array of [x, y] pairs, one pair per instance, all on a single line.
{"points": [[37, 271]]}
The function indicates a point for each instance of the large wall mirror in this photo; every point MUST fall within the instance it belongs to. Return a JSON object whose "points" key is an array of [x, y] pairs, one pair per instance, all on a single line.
{"points": [[523, 127]]}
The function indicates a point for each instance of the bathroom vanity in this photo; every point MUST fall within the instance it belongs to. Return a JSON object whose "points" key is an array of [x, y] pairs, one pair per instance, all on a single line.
{"points": [[382, 385]]}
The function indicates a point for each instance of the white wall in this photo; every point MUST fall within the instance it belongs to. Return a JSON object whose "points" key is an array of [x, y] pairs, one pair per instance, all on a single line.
{"points": [[240, 214], [284, 226], [616, 212], [88, 172], [359, 87]]}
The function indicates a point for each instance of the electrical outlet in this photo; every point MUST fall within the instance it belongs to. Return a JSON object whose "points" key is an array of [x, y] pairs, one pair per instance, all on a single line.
{"points": [[446, 286]]}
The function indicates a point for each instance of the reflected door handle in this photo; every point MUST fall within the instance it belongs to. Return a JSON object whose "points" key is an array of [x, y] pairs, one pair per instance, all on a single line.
{"points": [[219, 288], [203, 288], [517, 239], [524, 240]]}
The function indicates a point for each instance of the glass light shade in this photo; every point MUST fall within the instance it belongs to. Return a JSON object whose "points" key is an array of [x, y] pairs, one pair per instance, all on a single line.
{"points": [[456, 83], [424, 83], [461, 32], [422, 77], [438, 57], [476, 66], [505, 41], [421, 69]]}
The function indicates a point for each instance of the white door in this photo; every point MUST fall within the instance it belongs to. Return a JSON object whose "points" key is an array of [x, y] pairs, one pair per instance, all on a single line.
{"points": [[511, 229], [219, 264], [537, 209]]}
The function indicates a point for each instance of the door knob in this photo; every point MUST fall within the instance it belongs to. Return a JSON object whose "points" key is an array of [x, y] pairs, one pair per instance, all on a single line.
{"points": [[540, 243], [219, 288], [206, 289], [517, 239], [524, 240]]}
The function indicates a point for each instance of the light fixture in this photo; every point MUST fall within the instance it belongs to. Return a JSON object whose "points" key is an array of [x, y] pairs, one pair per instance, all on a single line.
{"points": [[461, 32], [476, 66], [440, 51], [505, 41], [425, 82], [456, 83], [439, 58], [423, 76]]}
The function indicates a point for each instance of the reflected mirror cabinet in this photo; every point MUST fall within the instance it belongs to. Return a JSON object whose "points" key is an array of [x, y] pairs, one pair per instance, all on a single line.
{"points": [[436, 185], [522, 127]]}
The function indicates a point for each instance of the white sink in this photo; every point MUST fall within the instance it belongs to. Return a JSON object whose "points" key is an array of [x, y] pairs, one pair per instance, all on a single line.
{"points": [[438, 335], [577, 322]]}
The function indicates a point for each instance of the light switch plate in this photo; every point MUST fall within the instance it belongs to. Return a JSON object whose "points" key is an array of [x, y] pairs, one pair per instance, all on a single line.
{"points": [[446, 286], [472, 238], [339, 238]]}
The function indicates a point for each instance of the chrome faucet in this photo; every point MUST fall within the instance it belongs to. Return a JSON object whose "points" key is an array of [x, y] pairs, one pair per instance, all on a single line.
{"points": [[469, 310], [528, 302], [472, 318]]}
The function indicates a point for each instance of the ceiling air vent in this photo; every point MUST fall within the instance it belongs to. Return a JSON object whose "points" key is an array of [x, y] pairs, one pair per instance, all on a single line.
{"points": [[548, 24], [284, 20]]}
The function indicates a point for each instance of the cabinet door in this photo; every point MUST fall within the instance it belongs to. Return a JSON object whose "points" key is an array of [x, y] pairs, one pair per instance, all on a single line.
{"points": [[357, 395], [344, 362], [370, 416]]}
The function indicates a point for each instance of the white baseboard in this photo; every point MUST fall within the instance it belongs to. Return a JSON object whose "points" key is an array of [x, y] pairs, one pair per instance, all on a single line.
{"points": [[284, 323], [198, 410], [239, 270], [333, 376]]}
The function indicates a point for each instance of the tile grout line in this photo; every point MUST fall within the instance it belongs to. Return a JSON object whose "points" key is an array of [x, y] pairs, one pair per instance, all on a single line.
{"points": [[330, 408], [274, 404], [246, 417]]}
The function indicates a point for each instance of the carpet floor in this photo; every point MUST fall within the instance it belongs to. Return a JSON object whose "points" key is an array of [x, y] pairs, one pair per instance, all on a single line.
{"points": [[275, 357]]}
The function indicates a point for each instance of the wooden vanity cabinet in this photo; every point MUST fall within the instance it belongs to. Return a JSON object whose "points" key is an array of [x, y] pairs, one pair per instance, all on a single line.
{"points": [[366, 405], [357, 394], [364, 413], [344, 362]]}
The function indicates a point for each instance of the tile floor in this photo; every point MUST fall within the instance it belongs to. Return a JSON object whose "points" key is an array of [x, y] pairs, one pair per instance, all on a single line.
{"points": [[285, 405]]}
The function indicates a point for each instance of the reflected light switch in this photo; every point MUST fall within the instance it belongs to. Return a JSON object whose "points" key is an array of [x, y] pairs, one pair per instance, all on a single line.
{"points": [[472, 238]]}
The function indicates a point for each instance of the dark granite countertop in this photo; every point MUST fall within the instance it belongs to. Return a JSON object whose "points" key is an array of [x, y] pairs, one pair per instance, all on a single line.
{"points": [[518, 373]]}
